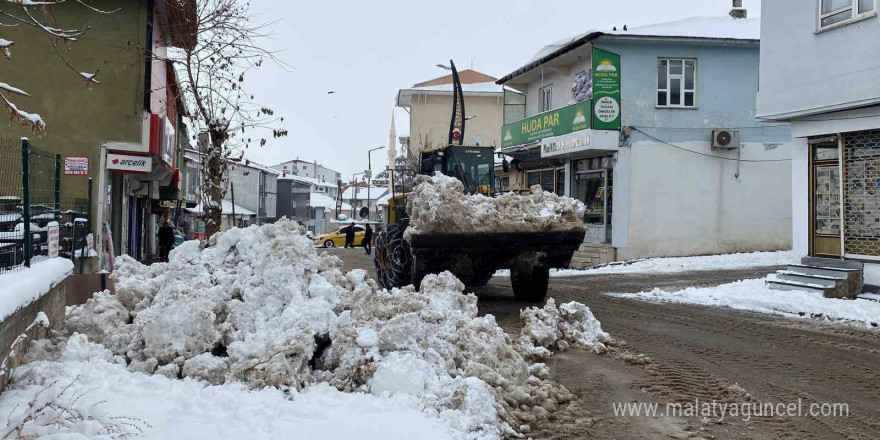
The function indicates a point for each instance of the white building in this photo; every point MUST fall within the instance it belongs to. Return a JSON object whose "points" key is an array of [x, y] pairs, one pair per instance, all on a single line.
{"points": [[304, 168], [819, 71]]}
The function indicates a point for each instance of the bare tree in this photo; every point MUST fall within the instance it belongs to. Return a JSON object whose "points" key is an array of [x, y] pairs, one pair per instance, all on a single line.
{"points": [[40, 15], [221, 43]]}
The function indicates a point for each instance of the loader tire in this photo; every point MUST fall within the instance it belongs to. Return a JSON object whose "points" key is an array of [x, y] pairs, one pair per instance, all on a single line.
{"points": [[530, 286], [392, 258]]}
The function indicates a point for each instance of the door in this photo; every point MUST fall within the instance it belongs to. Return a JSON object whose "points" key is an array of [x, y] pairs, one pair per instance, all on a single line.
{"points": [[825, 197], [591, 189]]}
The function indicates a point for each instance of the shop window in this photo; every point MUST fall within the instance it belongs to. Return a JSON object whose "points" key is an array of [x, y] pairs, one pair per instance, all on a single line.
{"points": [[560, 181], [832, 12], [548, 180], [676, 82]]}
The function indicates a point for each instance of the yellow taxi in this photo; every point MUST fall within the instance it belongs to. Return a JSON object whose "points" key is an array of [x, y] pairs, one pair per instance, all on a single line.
{"points": [[337, 237]]}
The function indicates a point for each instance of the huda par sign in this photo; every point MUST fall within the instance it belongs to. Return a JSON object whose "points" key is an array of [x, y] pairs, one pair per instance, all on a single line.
{"points": [[606, 90], [600, 113]]}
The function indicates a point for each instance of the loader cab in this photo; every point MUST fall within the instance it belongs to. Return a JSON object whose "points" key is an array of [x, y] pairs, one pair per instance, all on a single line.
{"points": [[474, 166]]}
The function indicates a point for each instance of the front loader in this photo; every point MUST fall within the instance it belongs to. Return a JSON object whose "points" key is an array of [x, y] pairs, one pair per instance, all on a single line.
{"points": [[472, 257]]}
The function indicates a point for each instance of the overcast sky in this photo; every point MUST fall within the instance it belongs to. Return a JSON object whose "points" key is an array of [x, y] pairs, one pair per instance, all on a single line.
{"points": [[366, 50]]}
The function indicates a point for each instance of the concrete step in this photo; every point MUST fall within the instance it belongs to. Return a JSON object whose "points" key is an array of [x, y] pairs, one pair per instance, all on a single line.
{"points": [[777, 284], [821, 270], [800, 277], [832, 262]]}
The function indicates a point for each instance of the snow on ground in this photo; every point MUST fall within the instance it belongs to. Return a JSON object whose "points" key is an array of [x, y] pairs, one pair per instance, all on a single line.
{"points": [[260, 308], [22, 287], [193, 410], [680, 264], [438, 204], [754, 295]]}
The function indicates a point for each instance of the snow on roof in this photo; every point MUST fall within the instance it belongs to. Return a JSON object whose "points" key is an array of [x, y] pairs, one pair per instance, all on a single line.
{"points": [[375, 193], [404, 96], [227, 209], [254, 165], [317, 200], [306, 179], [711, 28]]}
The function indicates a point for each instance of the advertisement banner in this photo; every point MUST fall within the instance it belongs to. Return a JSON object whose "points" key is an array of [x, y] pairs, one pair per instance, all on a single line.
{"points": [[127, 163], [53, 240], [606, 90], [557, 122], [76, 165]]}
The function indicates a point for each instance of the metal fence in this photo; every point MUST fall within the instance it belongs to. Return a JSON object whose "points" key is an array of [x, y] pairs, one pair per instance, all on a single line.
{"points": [[30, 200]]}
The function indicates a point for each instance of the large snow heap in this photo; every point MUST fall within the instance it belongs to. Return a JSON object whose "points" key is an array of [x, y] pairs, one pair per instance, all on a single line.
{"points": [[438, 204], [260, 306]]}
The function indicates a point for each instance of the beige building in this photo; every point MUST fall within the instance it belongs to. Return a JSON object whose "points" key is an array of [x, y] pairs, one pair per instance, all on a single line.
{"points": [[430, 109]]}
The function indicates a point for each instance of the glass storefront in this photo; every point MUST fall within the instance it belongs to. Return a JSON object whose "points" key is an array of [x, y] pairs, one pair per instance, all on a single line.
{"points": [[592, 184]]}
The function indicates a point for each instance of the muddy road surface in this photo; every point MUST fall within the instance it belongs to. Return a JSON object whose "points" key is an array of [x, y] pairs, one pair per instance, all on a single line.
{"points": [[825, 378]]}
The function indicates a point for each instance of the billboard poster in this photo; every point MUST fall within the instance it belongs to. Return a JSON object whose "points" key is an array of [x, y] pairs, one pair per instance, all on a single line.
{"points": [[606, 90]]}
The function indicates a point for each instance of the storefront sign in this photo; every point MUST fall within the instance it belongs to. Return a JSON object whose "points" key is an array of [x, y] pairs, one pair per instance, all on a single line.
{"points": [[53, 240], [169, 142], [548, 124], [127, 163], [565, 145], [606, 90], [76, 165]]}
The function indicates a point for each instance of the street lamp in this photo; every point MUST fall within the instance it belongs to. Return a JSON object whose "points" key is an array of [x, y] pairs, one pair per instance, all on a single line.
{"points": [[370, 183]]}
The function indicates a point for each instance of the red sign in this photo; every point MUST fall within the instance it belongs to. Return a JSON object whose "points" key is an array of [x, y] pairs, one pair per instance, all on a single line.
{"points": [[76, 165]]}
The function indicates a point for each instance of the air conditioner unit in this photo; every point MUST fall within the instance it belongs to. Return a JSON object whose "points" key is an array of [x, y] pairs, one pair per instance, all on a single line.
{"points": [[725, 139]]}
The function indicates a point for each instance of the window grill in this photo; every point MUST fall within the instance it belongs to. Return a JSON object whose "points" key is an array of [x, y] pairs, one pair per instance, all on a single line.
{"points": [[862, 194]]}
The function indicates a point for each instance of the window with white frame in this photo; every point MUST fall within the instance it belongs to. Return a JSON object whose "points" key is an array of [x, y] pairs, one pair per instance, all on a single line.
{"points": [[832, 12], [676, 82], [545, 101]]}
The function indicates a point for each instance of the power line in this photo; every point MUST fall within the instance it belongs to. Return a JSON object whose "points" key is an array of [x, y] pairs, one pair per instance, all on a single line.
{"points": [[702, 128], [704, 154]]}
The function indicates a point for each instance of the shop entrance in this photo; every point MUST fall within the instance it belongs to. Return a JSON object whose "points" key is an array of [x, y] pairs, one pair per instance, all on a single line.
{"points": [[825, 197], [592, 185]]}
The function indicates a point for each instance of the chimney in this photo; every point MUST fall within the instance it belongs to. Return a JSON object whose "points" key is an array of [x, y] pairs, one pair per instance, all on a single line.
{"points": [[738, 11]]}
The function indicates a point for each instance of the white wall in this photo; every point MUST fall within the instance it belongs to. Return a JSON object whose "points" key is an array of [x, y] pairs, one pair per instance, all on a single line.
{"points": [[561, 78], [800, 197], [807, 71], [685, 204]]}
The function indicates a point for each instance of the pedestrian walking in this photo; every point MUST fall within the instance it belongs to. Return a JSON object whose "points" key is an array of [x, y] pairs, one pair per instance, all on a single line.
{"points": [[368, 240], [349, 236], [166, 241]]}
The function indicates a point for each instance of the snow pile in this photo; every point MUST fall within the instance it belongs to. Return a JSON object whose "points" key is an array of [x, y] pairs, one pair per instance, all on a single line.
{"points": [[571, 324], [438, 204], [742, 260], [754, 295], [261, 307], [194, 410]]}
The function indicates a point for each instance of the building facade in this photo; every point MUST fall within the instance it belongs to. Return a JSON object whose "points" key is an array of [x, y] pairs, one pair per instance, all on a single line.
{"points": [[128, 129], [312, 170], [430, 108], [254, 187], [834, 113], [628, 120]]}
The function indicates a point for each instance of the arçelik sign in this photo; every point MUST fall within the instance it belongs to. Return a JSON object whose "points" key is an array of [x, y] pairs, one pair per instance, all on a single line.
{"points": [[127, 163]]}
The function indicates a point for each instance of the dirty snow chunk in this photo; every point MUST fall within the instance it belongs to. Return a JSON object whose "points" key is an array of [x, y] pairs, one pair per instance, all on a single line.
{"points": [[170, 371], [78, 348], [187, 409], [438, 204], [367, 337], [206, 367], [403, 373], [754, 295], [178, 327], [571, 324]]}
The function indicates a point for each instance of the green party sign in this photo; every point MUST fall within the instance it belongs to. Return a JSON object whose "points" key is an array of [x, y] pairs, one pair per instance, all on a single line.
{"points": [[557, 122], [606, 90]]}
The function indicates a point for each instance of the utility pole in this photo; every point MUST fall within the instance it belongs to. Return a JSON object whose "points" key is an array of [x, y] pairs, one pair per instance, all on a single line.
{"points": [[354, 196], [370, 183]]}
